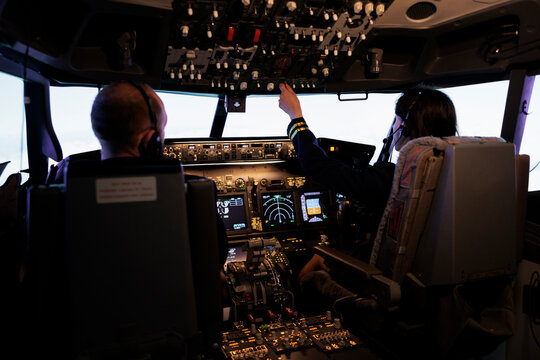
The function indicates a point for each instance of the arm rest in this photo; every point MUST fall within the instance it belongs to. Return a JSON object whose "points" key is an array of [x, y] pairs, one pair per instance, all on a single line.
{"points": [[384, 290], [352, 263]]}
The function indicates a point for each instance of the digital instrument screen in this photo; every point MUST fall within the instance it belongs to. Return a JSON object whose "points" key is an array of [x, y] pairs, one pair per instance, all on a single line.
{"points": [[312, 204], [278, 209], [235, 254], [232, 210]]}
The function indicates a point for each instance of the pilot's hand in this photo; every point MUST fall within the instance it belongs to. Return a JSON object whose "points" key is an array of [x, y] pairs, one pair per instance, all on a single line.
{"points": [[288, 102], [316, 263]]}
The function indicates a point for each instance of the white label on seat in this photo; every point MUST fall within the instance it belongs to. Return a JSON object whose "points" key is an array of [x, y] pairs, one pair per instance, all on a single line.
{"points": [[126, 189]]}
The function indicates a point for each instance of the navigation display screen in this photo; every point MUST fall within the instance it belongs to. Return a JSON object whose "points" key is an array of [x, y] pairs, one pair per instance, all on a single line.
{"points": [[232, 210], [278, 209], [312, 205]]}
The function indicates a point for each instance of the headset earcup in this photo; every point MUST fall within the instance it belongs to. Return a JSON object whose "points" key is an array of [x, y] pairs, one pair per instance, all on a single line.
{"points": [[153, 149]]}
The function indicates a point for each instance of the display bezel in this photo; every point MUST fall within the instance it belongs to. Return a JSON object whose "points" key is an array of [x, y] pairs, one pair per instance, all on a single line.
{"points": [[324, 201], [239, 249], [246, 212], [294, 199]]}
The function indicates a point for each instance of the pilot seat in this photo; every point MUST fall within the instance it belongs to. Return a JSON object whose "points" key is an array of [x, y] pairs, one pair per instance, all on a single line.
{"points": [[137, 273], [444, 256]]}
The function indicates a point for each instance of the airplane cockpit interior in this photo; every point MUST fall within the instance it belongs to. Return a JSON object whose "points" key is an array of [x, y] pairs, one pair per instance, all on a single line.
{"points": [[229, 246]]}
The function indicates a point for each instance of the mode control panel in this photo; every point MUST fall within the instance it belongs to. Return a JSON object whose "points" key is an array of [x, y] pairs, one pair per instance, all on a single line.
{"points": [[192, 151]]}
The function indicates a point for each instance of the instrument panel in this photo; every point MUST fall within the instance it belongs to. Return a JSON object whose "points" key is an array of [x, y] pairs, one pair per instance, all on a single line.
{"points": [[239, 46], [273, 214], [199, 151], [261, 187]]}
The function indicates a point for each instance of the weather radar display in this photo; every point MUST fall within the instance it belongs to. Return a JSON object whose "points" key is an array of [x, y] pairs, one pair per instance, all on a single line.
{"points": [[278, 209]]}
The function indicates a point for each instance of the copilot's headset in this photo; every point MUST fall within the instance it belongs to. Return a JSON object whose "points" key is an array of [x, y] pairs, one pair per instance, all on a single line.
{"points": [[405, 129], [385, 154], [154, 147]]}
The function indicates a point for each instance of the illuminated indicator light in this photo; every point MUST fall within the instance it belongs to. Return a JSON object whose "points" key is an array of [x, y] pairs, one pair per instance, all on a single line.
{"points": [[331, 148], [230, 35], [257, 35]]}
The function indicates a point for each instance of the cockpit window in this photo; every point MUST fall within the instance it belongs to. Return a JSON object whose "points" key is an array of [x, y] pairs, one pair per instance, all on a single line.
{"points": [[356, 121], [189, 116], [479, 108], [262, 117], [12, 122], [70, 116]]}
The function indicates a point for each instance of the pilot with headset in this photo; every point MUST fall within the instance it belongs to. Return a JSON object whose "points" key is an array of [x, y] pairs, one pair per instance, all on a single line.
{"points": [[129, 121], [419, 112]]}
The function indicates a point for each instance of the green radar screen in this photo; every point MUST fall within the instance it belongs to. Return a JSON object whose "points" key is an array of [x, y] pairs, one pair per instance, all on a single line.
{"points": [[278, 209]]}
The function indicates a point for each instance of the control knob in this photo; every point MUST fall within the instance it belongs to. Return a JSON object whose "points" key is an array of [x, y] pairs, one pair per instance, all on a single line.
{"points": [[291, 5], [369, 8], [185, 30], [380, 9], [240, 183], [357, 7]]}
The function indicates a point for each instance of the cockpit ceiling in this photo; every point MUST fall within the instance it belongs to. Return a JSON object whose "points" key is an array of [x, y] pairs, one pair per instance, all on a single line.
{"points": [[249, 46]]}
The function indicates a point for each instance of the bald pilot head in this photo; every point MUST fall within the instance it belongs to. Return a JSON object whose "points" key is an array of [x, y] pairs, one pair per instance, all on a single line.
{"points": [[122, 122]]}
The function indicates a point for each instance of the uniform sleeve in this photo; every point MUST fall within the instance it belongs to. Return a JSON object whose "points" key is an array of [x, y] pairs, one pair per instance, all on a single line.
{"points": [[370, 185]]}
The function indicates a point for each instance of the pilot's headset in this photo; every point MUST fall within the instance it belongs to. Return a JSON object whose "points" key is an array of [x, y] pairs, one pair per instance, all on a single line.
{"points": [[154, 147], [405, 128]]}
